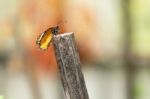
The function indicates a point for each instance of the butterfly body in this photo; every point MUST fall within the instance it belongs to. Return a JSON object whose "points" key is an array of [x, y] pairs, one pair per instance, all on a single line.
{"points": [[46, 37]]}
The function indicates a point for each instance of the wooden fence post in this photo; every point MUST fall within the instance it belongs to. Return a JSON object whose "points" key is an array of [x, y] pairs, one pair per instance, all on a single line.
{"points": [[69, 66]]}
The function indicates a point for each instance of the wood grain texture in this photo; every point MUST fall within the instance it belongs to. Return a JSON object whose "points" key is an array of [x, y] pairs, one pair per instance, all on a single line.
{"points": [[69, 66]]}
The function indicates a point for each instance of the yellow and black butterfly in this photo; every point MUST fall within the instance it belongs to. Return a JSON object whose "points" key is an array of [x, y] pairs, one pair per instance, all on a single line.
{"points": [[46, 37]]}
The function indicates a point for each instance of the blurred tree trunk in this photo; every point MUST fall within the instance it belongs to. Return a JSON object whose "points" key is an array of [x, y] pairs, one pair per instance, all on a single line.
{"points": [[127, 24]]}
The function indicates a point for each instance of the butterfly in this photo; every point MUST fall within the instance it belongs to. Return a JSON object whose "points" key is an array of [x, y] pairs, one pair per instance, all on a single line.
{"points": [[46, 37]]}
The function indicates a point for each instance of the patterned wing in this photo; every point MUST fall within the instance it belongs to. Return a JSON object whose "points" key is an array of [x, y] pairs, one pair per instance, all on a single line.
{"points": [[44, 39]]}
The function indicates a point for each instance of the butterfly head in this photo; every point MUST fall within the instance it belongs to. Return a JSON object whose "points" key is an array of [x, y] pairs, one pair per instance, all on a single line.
{"points": [[55, 30]]}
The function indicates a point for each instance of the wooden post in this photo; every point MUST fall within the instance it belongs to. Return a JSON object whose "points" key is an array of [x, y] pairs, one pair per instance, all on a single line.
{"points": [[69, 66]]}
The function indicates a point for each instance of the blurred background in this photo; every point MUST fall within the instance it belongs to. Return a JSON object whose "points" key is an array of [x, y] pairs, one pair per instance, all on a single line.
{"points": [[113, 39]]}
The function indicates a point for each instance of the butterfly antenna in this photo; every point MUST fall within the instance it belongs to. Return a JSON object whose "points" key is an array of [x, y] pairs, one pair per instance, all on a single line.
{"points": [[61, 22]]}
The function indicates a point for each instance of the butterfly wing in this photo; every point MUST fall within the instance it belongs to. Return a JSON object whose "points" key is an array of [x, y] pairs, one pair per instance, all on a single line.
{"points": [[44, 39]]}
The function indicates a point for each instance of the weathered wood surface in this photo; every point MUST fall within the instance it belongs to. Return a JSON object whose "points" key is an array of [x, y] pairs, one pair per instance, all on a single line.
{"points": [[69, 66]]}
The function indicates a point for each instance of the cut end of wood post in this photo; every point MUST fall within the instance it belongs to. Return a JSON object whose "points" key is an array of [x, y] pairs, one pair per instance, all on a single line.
{"points": [[64, 34]]}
